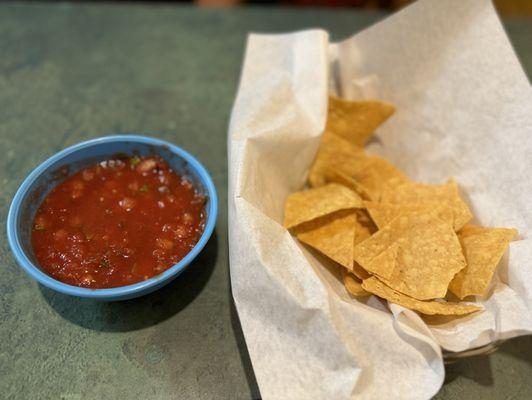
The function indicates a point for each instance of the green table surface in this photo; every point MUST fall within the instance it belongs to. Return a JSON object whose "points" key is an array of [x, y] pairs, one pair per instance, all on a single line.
{"points": [[70, 72]]}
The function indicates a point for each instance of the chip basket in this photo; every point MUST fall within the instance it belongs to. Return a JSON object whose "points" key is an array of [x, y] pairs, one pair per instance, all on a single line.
{"points": [[450, 357]]}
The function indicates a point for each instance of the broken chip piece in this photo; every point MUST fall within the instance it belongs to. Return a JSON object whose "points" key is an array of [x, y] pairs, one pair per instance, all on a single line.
{"points": [[364, 226], [334, 237], [483, 249], [353, 285], [384, 213], [375, 286], [310, 204], [377, 177], [426, 250], [334, 152], [337, 176], [356, 120], [422, 193]]}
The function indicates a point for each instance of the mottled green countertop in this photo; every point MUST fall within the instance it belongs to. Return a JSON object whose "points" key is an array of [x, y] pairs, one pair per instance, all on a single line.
{"points": [[73, 72]]}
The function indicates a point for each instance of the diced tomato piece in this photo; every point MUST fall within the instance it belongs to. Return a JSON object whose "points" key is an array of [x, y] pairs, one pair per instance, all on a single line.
{"points": [[88, 174], [76, 194], [60, 234], [146, 165], [165, 244], [187, 218], [78, 185], [127, 203]]}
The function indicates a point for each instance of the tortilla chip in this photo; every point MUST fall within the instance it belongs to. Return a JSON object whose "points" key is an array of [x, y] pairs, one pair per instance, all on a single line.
{"points": [[383, 264], [420, 193], [334, 152], [310, 204], [383, 213], [375, 286], [364, 226], [356, 120], [483, 248], [342, 178], [360, 272], [370, 178], [428, 255], [353, 285], [378, 176], [334, 238]]}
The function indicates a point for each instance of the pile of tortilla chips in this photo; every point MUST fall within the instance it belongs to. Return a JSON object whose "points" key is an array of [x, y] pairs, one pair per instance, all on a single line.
{"points": [[407, 242]]}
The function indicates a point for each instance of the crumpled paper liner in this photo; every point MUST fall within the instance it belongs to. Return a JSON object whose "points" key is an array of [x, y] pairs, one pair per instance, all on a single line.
{"points": [[464, 110]]}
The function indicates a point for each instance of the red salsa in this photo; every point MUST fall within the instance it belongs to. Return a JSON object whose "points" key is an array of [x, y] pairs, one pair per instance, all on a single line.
{"points": [[118, 222]]}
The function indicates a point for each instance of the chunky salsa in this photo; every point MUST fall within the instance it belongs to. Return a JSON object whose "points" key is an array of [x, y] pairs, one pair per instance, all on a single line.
{"points": [[118, 222]]}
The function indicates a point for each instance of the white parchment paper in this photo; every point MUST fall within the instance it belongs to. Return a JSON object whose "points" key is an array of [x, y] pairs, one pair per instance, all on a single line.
{"points": [[464, 110]]}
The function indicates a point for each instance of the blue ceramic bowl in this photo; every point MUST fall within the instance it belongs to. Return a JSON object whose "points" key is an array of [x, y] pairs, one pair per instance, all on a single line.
{"points": [[70, 160]]}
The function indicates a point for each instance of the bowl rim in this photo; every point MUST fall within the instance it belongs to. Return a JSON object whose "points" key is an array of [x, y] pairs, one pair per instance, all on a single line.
{"points": [[127, 291]]}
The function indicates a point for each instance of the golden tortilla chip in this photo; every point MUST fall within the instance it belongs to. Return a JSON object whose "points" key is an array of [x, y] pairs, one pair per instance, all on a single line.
{"points": [[334, 152], [310, 204], [342, 178], [353, 285], [356, 120], [428, 255], [370, 178], [364, 226], [383, 213], [383, 264], [375, 286], [420, 193], [360, 272], [334, 238], [378, 176], [483, 248]]}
